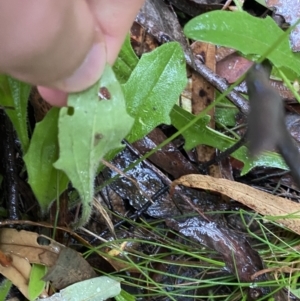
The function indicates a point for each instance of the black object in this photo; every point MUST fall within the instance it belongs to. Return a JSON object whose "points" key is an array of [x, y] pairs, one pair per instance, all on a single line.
{"points": [[139, 212]]}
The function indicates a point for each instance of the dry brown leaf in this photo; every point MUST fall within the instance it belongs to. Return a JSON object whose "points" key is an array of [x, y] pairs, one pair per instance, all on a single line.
{"points": [[21, 248], [40, 106], [5, 259], [26, 244], [69, 268], [104, 214], [203, 94], [233, 67], [45, 225], [286, 270], [262, 202], [18, 273]]}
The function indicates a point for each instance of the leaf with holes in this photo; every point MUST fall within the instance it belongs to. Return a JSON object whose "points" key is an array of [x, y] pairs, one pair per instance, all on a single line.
{"points": [[20, 249], [93, 124]]}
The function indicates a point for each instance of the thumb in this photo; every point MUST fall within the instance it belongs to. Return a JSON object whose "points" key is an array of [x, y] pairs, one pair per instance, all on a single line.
{"points": [[50, 40]]}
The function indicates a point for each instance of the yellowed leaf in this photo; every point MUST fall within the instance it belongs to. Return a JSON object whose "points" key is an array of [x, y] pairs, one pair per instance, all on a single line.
{"points": [[118, 261], [288, 212]]}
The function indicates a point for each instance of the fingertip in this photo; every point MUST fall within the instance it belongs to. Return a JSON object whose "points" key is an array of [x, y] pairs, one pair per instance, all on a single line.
{"points": [[85, 76], [88, 72], [56, 98]]}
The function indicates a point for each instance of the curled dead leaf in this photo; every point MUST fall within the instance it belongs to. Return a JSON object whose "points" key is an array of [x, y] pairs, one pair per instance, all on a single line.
{"points": [[21, 248], [5, 259], [18, 273], [286, 211]]}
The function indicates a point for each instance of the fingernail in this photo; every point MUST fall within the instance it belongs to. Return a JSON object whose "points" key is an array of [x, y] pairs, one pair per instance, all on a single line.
{"points": [[88, 73]]}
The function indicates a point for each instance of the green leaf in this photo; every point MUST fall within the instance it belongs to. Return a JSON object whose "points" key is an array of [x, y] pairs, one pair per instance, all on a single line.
{"points": [[154, 87], [95, 289], [248, 34], [45, 181], [295, 291], [126, 61], [145, 97], [36, 284], [201, 134], [225, 112], [14, 96], [88, 129], [5, 287]]}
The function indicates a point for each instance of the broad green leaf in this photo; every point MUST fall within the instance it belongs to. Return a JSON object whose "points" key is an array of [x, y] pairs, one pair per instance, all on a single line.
{"points": [[36, 284], [5, 287], [201, 134], [89, 128], [248, 34], [126, 61], [14, 96], [95, 289], [44, 179], [150, 101], [154, 87]]}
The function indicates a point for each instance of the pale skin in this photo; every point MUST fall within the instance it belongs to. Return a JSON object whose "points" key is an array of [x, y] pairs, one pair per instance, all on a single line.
{"points": [[62, 46]]}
